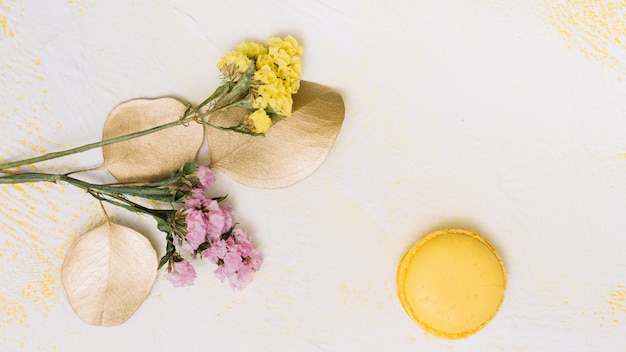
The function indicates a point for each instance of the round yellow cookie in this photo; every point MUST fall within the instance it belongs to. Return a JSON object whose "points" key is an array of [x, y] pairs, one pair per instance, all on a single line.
{"points": [[451, 282]]}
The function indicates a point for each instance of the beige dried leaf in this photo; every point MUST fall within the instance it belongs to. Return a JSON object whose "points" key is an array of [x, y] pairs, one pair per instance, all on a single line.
{"points": [[153, 156], [108, 273], [290, 151]]}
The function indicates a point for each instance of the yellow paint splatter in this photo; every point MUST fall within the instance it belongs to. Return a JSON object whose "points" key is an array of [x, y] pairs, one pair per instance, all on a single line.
{"points": [[617, 301], [39, 221], [81, 5], [34, 236], [606, 313], [10, 32], [12, 311], [596, 28], [3, 23], [351, 294]]}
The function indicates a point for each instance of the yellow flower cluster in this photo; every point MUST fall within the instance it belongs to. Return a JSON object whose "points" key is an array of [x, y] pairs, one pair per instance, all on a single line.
{"points": [[278, 75], [251, 49], [233, 64], [259, 121]]}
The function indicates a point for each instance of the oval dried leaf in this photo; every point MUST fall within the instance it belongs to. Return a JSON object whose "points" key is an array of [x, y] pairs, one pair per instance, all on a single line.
{"points": [[107, 273], [153, 156], [290, 151]]}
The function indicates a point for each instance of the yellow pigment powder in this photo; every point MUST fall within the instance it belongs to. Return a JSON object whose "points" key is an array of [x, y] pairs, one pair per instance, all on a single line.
{"points": [[595, 28]]}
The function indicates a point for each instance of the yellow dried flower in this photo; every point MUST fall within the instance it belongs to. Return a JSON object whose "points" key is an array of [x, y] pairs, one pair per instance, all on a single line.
{"points": [[259, 121], [288, 44], [233, 64], [277, 75], [251, 49]]}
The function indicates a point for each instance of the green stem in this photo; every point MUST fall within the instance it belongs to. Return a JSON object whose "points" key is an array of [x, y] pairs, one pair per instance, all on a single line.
{"points": [[29, 177], [111, 194], [90, 146], [238, 91], [162, 194], [193, 116], [129, 205], [219, 91]]}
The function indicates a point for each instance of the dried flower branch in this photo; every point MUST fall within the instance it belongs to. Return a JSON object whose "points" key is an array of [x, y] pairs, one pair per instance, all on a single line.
{"points": [[265, 81], [193, 223]]}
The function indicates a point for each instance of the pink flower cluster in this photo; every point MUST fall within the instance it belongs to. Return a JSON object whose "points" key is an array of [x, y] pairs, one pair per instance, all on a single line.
{"points": [[210, 233], [206, 219], [182, 274], [236, 259]]}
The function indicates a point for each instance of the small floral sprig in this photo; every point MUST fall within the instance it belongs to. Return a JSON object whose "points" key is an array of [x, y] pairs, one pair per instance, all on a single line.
{"points": [[259, 78], [204, 228], [194, 224]]}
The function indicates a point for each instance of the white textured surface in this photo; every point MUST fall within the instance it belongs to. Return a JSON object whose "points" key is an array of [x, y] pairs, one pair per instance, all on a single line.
{"points": [[506, 118]]}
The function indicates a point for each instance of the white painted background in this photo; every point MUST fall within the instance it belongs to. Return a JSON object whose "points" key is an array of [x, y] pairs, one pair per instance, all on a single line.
{"points": [[506, 118]]}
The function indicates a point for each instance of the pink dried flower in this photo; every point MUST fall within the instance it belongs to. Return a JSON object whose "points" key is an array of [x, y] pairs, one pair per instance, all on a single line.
{"points": [[207, 222], [206, 176], [198, 200], [245, 274], [232, 263], [196, 228], [243, 242], [243, 278], [239, 270], [216, 251], [219, 220], [220, 273], [255, 259], [183, 274]]}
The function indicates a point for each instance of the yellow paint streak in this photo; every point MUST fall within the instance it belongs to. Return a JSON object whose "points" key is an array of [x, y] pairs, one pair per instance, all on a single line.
{"points": [[617, 301], [12, 312], [610, 312], [81, 5], [39, 221], [596, 28], [349, 294], [3, 23], [37, 228]]}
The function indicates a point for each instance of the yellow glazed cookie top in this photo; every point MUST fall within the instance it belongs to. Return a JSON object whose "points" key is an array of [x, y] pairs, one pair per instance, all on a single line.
{"points": [[451, 282]]}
